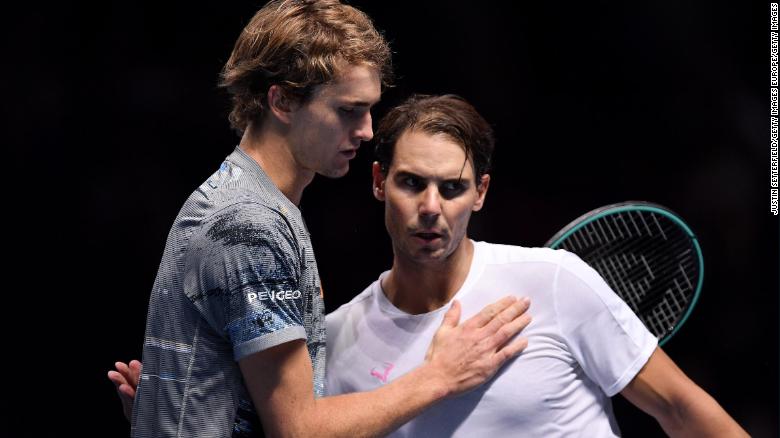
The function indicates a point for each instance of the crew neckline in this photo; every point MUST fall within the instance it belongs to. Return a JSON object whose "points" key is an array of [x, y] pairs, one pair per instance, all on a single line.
{"points": [[475, 271]]}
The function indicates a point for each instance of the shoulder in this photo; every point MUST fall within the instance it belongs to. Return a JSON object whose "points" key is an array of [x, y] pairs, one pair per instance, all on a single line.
{"points": [[248, 215], [558, 258], [241, 234], [580, 290], [222, 200], [356, 307], [244, 220], [573, 267], [499, 254]]}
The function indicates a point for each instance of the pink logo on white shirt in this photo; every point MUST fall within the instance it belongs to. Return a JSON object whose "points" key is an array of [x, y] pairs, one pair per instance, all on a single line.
{"points": [[382, 376]]}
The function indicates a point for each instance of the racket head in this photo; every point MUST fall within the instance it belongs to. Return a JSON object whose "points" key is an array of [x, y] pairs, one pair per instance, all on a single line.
{"points": [[647, 254]]}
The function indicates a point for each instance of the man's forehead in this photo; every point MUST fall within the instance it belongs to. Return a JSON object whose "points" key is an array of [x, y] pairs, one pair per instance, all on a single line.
{"points": [[430, 155], [357, 85]]}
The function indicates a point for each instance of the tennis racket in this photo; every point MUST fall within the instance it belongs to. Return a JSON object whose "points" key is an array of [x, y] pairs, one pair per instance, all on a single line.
{"points": [[646, 254]]}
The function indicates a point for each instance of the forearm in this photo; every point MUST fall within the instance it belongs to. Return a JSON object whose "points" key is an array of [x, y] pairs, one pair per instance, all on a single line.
{"points": [[681, 407], [699, 415], [378, 412], [283, 396]]}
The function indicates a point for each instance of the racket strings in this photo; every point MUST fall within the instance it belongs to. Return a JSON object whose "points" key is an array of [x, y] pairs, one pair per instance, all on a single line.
{"points": [[646, 258]]}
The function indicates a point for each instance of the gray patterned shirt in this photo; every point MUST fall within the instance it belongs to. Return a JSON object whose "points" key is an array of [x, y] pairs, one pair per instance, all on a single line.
{"points": [[238, 276]]}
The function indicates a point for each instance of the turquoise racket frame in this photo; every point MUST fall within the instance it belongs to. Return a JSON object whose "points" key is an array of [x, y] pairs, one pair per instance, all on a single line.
{"points": [[598, 213]]}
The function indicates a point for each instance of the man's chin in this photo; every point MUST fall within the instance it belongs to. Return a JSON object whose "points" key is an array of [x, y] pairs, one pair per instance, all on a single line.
{"points": [[430, 254], [335, 172]]}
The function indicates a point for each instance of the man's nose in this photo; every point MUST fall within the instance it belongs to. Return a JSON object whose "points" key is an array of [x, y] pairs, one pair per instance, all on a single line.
{"points": [[364, 130], [430, 202]]}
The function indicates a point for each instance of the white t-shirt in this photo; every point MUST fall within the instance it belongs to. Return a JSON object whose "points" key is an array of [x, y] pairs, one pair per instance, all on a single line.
{"points": [[584, 345]]}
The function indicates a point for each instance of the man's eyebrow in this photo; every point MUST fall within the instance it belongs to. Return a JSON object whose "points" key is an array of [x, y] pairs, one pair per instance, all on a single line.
{"points": [[406, 174], [361, 103], [459, 180]]}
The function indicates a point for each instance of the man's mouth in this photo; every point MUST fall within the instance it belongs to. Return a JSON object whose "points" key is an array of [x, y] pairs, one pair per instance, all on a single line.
{"points": [[427, 236], [349, 153]]}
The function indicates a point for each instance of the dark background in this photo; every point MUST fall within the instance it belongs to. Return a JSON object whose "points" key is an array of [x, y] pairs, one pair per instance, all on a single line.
{"points": [[112, 117]]}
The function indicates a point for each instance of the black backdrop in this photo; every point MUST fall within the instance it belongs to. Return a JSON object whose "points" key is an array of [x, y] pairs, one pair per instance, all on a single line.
{"points": [[112, 118]]}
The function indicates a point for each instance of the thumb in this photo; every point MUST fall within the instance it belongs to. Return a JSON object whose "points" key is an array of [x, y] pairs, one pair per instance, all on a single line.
{"points": [[452, 317], [450, 320]]}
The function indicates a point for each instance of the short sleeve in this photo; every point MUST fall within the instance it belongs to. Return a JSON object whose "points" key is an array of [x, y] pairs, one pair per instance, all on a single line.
{"points": [[242, 274], [607, 339]]}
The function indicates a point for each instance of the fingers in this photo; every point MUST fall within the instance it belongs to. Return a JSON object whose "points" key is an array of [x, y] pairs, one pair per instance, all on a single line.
{"points": [[487, 314], [126, 381], [135, 372], [126, 392], [450, 321], [510, 350], [117, 378], [452, 317], [500, 338], [123, 369], [126, 375], [469, 353], [508, 315]]}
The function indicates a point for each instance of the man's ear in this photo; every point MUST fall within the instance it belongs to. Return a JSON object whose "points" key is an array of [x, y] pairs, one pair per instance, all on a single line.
{"points": [[482, 188], [280, 104], [378, 181]]}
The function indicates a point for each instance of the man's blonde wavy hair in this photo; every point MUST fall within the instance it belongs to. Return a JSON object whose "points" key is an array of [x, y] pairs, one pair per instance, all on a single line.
{"points": [[298, 44]]}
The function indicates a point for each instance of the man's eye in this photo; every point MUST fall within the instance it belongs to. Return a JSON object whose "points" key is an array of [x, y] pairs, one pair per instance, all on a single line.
{"points": [[347, 110], [410, 182], [450, 190]]}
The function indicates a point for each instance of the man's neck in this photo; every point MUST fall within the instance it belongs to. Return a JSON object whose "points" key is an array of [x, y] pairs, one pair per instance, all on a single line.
{"points": [[271, 150], [417, 288]]}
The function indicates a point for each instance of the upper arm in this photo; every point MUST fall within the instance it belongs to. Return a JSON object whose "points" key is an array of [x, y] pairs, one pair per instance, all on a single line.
{"points": [[279, 380], [242, 275], [659, 387]]}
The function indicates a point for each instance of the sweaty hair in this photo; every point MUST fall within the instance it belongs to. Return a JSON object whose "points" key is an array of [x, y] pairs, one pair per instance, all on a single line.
{"points": [[298, 44], [448, 115]]}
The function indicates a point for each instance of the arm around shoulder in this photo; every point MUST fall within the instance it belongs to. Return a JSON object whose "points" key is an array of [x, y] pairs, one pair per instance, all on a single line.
{"points": [[279, 380], [461, 357]]}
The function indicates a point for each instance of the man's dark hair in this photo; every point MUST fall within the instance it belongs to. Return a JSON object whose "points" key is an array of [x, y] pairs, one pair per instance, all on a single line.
{"points": [[448, 115]]}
